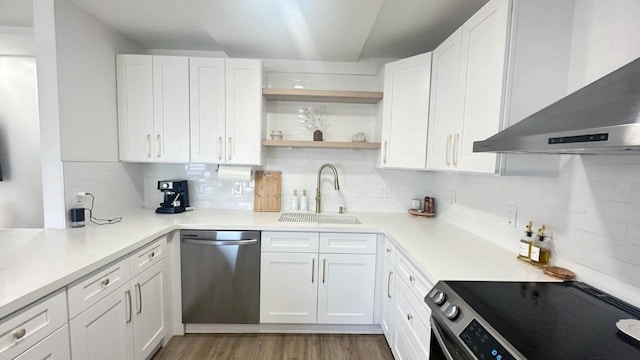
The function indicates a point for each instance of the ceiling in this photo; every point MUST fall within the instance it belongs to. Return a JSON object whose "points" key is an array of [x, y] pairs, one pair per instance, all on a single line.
{"points": [[328, 30]]}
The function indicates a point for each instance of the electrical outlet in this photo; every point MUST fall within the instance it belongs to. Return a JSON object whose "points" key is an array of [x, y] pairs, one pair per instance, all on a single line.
{"points": [[80, 197], [452, 197], [384, 192], [511, 215]]}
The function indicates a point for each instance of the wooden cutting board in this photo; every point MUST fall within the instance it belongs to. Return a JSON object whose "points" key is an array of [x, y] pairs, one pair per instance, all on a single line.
{"points": [[267, 191]]}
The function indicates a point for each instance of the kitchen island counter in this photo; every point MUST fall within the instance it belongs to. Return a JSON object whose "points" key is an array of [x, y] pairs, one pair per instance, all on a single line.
{"points": [[36, 262]]}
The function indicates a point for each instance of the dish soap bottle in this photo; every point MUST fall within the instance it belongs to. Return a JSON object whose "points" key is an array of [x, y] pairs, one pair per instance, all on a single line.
{"points": [[304, 202], [294, 200], [540, 249], [526, 241]]}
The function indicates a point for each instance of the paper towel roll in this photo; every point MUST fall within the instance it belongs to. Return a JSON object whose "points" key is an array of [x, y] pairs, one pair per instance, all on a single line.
{"points": [[234, 173]]}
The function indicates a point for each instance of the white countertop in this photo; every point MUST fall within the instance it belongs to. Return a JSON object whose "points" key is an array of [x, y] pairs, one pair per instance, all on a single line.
{"points": [[36, 262]]}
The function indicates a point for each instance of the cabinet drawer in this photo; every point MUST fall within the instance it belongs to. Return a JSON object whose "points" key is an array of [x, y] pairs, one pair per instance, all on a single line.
{"points": [[54, 347], [95, 286], [347, 243], [25, 328], [418, 284], [389, 251], [414, 318], [148, 255], [289, 241]]}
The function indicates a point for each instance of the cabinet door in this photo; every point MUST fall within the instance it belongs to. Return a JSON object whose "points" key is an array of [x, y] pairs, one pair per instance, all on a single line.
{"points": [[150, 309], [207, 97], [170, 109], [406, 112], [484, 47], [135, 107], [53, 347], [445, 117], [288, 287], [346, 289], [387, 323], [105, 330], [403, 349], [243, 111]]}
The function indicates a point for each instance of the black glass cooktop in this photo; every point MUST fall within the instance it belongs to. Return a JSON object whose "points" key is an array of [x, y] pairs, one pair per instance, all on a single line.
{"points": [[548, 321]]}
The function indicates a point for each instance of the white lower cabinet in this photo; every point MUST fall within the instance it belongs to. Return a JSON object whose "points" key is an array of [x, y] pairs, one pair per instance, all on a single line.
{"points": [[128, 323], [387, 322], [53, 347], [346, 290], [151, 311], [288, 287], [105, 330], [306, 287], [402, 348]]}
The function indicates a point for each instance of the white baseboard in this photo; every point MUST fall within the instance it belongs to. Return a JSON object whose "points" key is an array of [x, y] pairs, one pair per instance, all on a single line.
{"points": [[284, 328]]}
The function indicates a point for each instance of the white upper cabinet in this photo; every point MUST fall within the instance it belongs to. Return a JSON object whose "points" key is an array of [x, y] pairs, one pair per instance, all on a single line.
{"points": [[171, 108], [484, 54], [243, 111], [445, 117], [467, 94], [207, 86], [153, 108], [406, 112], [135, 106], [178, 109]]}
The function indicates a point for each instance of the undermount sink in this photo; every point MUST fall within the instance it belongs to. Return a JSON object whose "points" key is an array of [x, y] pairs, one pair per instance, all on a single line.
{"points": [[338, 219], [313, 218]]}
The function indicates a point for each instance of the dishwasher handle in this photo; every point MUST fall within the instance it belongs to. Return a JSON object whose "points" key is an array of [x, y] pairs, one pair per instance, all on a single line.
{"points": [[197, 241]]}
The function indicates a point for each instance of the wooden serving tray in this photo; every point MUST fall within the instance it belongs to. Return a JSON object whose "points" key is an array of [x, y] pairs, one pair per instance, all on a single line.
{"points": [[422, 214]]}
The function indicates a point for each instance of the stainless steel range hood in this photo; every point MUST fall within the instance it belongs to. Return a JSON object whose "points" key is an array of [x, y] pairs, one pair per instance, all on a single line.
{"points": [[601, 118]]}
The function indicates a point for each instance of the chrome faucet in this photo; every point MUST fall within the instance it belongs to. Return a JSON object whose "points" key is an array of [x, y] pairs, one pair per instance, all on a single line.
{"points": [[336, 184]]}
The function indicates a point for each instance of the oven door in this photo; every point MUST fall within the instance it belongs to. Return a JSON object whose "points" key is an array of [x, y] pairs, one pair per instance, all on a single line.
{"points": [[446, 346]]}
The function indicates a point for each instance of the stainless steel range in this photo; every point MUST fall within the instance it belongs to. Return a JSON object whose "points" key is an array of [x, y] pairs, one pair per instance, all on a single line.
{"points": [[527, 320]]}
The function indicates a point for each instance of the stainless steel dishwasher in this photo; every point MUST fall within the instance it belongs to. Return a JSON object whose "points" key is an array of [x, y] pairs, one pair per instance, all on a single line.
{"points": [[220, 277]]}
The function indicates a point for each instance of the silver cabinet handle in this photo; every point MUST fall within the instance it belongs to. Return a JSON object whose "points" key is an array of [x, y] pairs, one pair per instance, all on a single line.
{"points": [[409, 317], [384, 153], [159, 143], [411, 278], [389, 284], [139, 290], [388, 250], [152, 255], [148, 146], [129, 315], [105, 282], [456, 142], [230, 148], [448, 153], [220, 148], [313, 269], [324, 269], [19, 334]]}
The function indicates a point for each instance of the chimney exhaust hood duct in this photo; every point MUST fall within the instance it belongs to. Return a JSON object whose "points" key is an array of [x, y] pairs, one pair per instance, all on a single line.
{"points": [[601, 118]]}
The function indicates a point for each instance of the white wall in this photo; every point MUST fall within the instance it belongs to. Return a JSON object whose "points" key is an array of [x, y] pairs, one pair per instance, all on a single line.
{"points": [[21, 190], [76, 57]]}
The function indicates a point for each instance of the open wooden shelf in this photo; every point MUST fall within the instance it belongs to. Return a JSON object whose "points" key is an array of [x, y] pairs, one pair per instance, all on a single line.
{"points": [[322, 144], [337, 96]]}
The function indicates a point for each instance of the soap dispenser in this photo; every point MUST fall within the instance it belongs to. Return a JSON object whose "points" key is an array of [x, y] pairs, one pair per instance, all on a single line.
{"points": [[294, 200], [540, 249], [526, 241], [304, 202]]}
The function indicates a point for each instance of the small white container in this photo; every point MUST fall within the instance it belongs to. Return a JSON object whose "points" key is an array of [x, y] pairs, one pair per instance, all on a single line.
{"points": [[304, 202], [294, 200]]}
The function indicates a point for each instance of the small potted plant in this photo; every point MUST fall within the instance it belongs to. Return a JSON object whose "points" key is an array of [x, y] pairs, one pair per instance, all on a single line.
{"points": [[315, 120]]}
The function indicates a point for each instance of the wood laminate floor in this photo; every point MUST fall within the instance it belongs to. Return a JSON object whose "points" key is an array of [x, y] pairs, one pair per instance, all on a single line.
{"points": [[276, 346]]}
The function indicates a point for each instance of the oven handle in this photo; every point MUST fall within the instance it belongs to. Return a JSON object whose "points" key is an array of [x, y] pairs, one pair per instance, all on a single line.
{"points": [[435, 327]]}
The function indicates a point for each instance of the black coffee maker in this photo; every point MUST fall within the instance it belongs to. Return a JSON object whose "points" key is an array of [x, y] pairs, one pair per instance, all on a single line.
{"points": [[176, 196]]}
